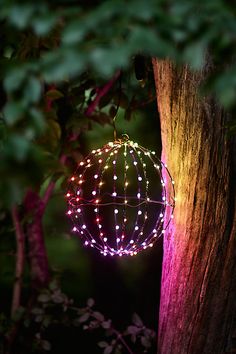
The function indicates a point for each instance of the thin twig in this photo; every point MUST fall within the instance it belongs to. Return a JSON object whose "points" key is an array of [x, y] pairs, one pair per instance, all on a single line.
{"points": [[20, 250], [117, 333], [101, 92], [121, 339]]}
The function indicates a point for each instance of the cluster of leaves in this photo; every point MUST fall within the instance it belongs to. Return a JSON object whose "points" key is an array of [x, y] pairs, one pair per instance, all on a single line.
{"points": [[116, 341], [54, 308], [103, 38], [49, 48]]}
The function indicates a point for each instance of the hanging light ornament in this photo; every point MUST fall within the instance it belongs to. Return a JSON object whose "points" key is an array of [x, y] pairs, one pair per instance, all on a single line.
{"points": [[118, 198]]}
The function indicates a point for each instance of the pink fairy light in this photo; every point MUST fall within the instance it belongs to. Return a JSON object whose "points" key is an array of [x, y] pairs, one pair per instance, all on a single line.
{"points": [[125, 194]]}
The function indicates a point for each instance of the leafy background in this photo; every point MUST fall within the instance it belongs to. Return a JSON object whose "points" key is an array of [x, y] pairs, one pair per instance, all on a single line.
{"points": [[54, 58]]}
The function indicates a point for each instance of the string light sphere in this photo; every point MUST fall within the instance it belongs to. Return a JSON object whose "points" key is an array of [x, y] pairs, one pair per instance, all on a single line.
{"points": [[121, 198]]}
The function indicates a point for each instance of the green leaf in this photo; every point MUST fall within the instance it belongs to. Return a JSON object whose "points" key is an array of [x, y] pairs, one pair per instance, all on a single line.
{"points": [[14, 79], [143, 9], [46, 321], [133, 330], [37, 311], [58, 297], [46, 345], [115, 58], [73, 33], [137, 320], [13, 112], [38, 120], [102, 118], [121, 100], [20, 15], [54, 94], [90, 302], [145, 342], [61, 64], [105, 100], [108, 350], [106, 324], [84, 317], [55, 129], [112, 111], [227, 97], [53, 285], [43, 25], [17, 146], [194, 54], [44, 298], [99, 316], [32, 90], [76, 31], [103, 344]]}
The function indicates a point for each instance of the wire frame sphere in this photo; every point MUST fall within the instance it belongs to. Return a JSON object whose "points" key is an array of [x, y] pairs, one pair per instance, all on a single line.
{"points": [[121, 198]]}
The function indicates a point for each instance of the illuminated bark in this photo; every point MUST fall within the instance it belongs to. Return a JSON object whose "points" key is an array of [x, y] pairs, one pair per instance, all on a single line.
{"points": [[198, 288]]}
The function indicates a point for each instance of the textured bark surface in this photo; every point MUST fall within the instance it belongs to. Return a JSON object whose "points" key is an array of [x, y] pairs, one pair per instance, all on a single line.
{"points": [[39, 267], [198, 294], [20, 257]]}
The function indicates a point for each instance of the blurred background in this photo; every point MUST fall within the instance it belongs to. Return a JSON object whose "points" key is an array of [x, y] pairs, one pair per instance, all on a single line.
{"points": [[66, 69], [120, 286]]}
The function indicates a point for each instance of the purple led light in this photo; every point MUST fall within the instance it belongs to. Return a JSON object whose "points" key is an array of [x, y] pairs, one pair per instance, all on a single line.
{"points": [[116, 209]]}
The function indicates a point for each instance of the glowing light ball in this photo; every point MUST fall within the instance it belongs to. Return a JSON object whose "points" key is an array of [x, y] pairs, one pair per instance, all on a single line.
{"points": [[121, 198]]}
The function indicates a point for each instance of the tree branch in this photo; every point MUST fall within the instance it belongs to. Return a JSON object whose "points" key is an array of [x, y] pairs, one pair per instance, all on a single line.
{"points": [[35, 207], [51, 185], [101, 92], [37, 251], [20, 249], [121, 339]]}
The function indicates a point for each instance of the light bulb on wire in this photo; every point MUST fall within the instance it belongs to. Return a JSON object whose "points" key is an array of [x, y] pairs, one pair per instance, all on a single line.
{"points": [[121, 198]]}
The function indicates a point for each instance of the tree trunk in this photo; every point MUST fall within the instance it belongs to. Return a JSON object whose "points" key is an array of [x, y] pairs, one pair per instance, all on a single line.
{"points": [[39, 267], [198, 291], [20, 257]]}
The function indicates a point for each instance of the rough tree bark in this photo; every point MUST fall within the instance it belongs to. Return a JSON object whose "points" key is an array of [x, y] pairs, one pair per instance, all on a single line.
{"points": [[198, 288], [35, 207], [20, 257]]}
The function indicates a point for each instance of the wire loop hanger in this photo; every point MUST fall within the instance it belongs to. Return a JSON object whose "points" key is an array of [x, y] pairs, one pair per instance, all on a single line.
{"points": [[117, 108]]}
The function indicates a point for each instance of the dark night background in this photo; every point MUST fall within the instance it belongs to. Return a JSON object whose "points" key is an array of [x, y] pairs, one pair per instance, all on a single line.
{"points": [[55, 59], [119, 286]]}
